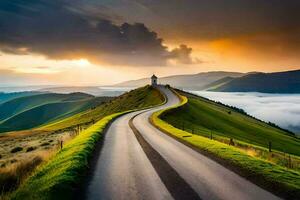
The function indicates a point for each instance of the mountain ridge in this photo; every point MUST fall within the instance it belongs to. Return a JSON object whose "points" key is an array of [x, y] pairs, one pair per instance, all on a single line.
{"points": [[275, 82], [187, 81]]}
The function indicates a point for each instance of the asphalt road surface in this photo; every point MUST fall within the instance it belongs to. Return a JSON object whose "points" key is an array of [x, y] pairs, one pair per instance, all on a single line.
{"points": [[126, 169]]}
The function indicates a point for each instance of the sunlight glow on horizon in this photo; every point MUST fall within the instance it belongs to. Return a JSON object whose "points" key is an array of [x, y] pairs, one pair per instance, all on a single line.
{"points": [[216, 56], [82, 62], [37, 64]]}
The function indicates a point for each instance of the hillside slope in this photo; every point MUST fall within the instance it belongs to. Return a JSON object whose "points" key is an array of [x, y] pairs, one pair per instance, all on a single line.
{"points": [[218, 83], [19, 105], [279, 82], [48, 112], [32, 111], [138, 98], [190, 81], [205, 117], [4, 97]]}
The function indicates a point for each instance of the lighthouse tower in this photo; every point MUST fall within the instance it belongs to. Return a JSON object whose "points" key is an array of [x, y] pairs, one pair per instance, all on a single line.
{"points": [[153, 80]]}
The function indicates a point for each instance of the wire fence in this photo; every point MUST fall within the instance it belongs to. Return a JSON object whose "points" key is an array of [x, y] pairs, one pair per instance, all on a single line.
{"points": [[276, 155]]}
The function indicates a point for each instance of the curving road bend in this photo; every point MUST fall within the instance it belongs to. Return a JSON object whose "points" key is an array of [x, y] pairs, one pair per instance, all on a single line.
{"points": [[123, 170]]}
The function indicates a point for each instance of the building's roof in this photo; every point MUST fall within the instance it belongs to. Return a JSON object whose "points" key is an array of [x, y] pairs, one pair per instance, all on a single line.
{"points": [[153, 76]]}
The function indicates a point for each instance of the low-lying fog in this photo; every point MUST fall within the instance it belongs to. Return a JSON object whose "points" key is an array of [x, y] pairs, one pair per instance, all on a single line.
{"points": [[281, 109]]}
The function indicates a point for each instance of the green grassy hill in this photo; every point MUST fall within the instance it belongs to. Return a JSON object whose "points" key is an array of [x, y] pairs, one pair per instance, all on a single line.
{"points": [[205, 117], [49, 112], [138, 98], [18, 105], [13, 95], [32, 111]]}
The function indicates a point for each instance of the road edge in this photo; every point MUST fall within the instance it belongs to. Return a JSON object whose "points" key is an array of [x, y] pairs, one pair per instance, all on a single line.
{"points": [[80, 190]]}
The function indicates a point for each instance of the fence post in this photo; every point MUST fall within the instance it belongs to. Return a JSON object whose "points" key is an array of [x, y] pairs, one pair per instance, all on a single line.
{"points": [[270, 146], [211, 134], [61, 144]]}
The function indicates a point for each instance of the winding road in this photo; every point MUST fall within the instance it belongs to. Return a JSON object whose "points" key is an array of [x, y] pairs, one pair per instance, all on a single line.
{"points": [[138, 161]]}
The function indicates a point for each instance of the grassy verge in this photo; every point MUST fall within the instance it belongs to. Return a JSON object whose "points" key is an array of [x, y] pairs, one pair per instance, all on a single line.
{"points": [[280, 180], [204, 117], [56, 179]]}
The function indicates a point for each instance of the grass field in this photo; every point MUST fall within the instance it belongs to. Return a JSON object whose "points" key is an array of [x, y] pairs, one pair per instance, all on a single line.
{"points": [[276, 178], [205, 117], [56, 178], [32, 111]]}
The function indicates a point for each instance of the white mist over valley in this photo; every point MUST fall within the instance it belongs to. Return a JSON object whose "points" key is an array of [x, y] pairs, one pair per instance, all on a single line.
{"points": [[281, 109]]}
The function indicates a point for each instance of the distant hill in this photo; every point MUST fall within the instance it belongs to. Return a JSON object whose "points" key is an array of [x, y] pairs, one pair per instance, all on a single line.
{"points": [[218, 83], [279, 82], [18, 105], [26, 88], [31, 111], [12, 95], [93, 90], [192, 81]]}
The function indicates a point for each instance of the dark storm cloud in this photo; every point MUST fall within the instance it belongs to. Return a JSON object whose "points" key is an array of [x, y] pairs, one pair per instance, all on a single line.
{"points": [[60, 30], [183, 54]]}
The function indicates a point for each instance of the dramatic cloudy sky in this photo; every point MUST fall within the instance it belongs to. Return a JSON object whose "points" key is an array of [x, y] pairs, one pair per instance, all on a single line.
{"points": [[85, 42]]}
